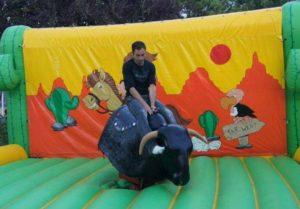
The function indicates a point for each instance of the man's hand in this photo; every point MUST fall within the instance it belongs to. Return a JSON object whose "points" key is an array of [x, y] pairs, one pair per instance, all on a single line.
{"points": [[154, 108], [148, 109], [137, 96]]}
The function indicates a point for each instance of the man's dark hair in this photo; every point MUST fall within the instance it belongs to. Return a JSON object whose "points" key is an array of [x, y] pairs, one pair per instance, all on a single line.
{"points": [[138, 45]]}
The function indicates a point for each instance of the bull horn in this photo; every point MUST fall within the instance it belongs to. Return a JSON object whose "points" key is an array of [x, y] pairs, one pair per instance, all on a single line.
{"points": [[196, 134], [149, 136]]}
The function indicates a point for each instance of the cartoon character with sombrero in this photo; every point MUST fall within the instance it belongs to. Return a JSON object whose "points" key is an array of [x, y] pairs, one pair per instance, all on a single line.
{"points": [[245, 121]]}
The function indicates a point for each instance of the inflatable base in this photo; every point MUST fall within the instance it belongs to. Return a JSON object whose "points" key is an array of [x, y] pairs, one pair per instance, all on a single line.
{"points": [[228, 182]]}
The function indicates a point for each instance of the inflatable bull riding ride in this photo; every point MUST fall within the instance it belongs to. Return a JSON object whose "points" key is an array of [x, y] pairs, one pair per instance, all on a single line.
{"points": [[128, 150]]}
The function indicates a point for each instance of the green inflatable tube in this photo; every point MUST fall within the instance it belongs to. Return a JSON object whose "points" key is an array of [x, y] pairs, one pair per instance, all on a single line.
{"points": [[12, 80], [291, 37]]}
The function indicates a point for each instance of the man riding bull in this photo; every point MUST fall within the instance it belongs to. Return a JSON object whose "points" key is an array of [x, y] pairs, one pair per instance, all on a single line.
{"points": [[140, 83], [142, 138]]}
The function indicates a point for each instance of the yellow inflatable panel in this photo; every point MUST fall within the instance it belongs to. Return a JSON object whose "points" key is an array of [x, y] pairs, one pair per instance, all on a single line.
{"points": [[182, 46], [11, 153], [297, 155]]}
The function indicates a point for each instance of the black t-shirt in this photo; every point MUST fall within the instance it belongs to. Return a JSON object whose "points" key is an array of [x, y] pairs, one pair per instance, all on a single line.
{"points": [[139, 77]]}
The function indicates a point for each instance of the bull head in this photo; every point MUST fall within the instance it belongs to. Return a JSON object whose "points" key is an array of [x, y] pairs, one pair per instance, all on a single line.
{"points": [[154, 134], [178, 147]]}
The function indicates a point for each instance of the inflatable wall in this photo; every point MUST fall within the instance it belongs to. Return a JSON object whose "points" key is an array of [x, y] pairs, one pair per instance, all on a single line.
{"points": [[221, 75]]}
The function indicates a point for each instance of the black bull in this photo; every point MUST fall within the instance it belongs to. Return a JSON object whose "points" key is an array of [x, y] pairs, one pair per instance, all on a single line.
{"points": [[123, 144]]}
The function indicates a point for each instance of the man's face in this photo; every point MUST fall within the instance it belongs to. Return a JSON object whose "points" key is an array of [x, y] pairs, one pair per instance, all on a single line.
{"points": [[139, 56]]}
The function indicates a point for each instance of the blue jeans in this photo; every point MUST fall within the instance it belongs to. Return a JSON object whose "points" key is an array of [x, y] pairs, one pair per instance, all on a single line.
{"points": [[139, 112]]}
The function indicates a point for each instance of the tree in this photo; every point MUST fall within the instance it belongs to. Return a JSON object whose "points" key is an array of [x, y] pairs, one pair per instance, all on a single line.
{"points": [[194, 8], [44, 13]]}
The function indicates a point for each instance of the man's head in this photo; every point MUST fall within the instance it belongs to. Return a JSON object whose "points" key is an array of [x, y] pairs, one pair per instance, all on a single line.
{"points": [[139, 52]]}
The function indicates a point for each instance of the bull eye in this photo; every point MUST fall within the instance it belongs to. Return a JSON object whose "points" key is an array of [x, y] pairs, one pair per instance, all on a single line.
{"points": [[161, 140]]}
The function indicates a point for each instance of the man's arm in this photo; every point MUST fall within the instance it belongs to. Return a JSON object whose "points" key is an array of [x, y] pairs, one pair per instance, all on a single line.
{"points": [[152, 96], [152, 89], [137, 96]]}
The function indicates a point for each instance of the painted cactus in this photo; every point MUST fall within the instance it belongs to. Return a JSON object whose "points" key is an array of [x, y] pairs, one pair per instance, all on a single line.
{"points": [[60, 103], [209, 121]]}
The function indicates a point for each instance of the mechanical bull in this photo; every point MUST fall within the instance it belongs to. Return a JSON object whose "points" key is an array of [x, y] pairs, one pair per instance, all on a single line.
{"points": [[125, 147]]}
